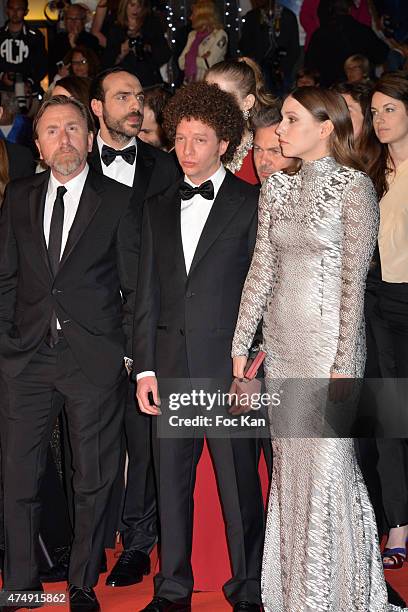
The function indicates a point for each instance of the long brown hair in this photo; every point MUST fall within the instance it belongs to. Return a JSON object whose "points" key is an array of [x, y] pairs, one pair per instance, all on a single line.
{"points": [[247, 78], [394, 85], [325, 105], [122, 18], [4, 169], [360, 92]]}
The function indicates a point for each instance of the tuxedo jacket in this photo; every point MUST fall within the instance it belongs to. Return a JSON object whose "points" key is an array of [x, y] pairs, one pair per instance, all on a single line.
{"points": [[155, 171], [93, 292], [184, 323]]}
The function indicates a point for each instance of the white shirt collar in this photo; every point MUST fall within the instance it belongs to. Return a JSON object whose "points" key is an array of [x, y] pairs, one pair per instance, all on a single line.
{"points": [[216, 179], [74, 186], [101, 142]]}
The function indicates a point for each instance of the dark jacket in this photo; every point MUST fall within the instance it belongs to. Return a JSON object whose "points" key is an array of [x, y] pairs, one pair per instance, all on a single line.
{"points": [[257, 44], [184, 324], [23, 53], [335, 41], [21, 161], [93, 293]]}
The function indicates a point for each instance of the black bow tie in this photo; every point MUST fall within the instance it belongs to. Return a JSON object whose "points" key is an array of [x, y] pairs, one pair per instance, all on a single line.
{"points": [[109, 154], [206, 190]]}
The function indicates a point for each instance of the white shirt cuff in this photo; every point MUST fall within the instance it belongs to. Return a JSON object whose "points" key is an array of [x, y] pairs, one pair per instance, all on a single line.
{"points": [[144, 374]]}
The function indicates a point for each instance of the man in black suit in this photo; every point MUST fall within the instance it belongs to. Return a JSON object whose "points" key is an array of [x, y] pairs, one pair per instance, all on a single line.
{"points": [[67, 293], [197, 243], [117, 101]]}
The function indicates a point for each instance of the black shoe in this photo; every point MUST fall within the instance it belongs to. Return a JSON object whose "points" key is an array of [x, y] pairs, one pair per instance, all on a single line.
{"points": [[246, 606], [59, 571], [394, 598], [160, 604], [82, 599], [130, 568]]}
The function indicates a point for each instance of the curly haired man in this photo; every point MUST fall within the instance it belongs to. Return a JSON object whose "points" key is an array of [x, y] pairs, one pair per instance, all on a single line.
{"points": [[197, 243]]}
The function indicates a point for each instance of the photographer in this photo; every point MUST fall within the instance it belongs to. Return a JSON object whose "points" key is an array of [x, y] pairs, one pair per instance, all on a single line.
{"points": [[270, 36], [136, 42], [22, 50]]}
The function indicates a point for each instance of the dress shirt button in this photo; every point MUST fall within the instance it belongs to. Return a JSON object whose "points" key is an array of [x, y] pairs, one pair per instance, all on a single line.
{"points": [[56, 291], [190, 294]]}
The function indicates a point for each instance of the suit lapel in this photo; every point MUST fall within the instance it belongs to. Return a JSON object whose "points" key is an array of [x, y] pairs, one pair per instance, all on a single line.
{"points": [[94, 159], [143, 172], [37, 204], [171, 225], [88, 205], [225, 206]]}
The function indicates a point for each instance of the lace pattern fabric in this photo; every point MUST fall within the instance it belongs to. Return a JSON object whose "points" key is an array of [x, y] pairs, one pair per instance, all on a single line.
{"points": [[316, 235]]}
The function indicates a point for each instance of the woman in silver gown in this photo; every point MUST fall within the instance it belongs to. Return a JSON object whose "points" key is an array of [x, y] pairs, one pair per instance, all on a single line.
{"points": [[316, 235]]}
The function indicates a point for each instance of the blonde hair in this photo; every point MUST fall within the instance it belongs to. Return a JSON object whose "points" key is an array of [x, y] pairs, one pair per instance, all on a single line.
{"points": [[361, 61], [247, 77], [204, 16]]}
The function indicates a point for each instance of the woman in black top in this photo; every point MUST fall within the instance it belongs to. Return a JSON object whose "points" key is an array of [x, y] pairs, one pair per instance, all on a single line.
{"points": [[137, 43]]}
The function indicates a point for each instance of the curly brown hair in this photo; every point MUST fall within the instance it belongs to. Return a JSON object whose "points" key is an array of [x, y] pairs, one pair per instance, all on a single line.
{"points": [[209, 104]]}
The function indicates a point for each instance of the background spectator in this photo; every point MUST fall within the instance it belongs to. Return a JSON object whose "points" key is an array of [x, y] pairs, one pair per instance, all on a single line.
{"points": [[152, 131], [15, 127], [270, 36], [306, 77], [77, 87], [74, 35], [136, 42], [358, 99], [243, 79], [268, 157], [22, 49], [357, 68], [338, 38], [310, 18], [82, 62], [206, 43], [104, 18]]}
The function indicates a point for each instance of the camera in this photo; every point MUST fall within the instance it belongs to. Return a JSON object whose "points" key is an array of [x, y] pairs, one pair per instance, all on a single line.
{"points": [[137, 46]]}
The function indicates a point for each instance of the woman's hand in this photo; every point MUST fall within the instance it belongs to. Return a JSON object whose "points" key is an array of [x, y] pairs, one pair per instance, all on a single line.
{"points": [[340, 387], [238, 366], [124, 50]]}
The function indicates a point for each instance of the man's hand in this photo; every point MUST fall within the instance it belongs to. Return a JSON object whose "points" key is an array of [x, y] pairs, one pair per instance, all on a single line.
{"points": [[238, 366], [146, 385]]}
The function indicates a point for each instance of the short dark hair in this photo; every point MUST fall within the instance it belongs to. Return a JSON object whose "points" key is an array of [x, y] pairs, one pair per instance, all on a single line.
{"points": [[25, 3], [266, 117], [209, 104], [97, 90], [64, 101]]}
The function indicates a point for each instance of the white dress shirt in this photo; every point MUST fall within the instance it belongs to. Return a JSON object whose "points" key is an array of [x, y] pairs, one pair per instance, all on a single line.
{"points": [[119, 170], [74, 189], [193, 216]]}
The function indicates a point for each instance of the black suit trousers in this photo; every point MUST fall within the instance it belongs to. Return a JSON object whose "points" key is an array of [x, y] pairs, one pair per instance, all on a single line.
{"points": [[236, 468], [95, 418], [387, 357]]}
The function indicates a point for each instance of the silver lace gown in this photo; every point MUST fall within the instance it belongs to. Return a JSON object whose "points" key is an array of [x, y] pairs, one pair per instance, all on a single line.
{"points": [[316, 234]]}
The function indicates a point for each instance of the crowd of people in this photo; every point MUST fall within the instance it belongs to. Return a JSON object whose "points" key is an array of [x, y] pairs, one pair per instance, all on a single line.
{"points": [[152, 242]]}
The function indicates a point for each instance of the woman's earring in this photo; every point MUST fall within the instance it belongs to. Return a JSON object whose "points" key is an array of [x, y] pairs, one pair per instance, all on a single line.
{"points": [[246, 114]]}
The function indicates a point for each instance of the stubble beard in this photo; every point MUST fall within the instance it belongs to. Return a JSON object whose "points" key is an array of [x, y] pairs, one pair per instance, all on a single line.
{"points": [[117, 130]]}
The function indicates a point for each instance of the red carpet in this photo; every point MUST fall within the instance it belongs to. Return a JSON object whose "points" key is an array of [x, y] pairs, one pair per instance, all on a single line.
{"points": [[134, 598]]}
